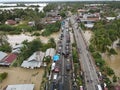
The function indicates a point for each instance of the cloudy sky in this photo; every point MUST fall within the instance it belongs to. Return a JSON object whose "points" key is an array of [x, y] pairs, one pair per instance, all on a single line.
{"points": [[50, 0]]}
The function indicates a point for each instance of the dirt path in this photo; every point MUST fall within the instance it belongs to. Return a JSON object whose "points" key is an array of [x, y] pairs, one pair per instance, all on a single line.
{"points": [[22, 76]]}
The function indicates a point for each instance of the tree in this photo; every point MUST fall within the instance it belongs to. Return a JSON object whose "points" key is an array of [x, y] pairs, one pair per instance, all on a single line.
{"points": [[52, 42], [114, 78], [109, 71], [62, 13], [3, 76], [112, 51], [3, 38], [6, 48]]}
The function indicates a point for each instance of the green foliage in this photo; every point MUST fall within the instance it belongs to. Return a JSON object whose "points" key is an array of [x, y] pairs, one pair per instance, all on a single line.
{"points": [[6, 28], [29, 49], [42, 14], [47, 60], [63, 14], [36, 34], [51, 28], [109, 71], [112, 51], [49, 7], [82, 26], [6, 47], [114, 78], [3, 76], [114, 5], [79, 81], [94, 11], [107, 81], [51, 41], [98, 59], [75, 56], [105, 35], [97, 55], [73, 44], [100, 62], [91, 48], [24, 28], [33, 46]]}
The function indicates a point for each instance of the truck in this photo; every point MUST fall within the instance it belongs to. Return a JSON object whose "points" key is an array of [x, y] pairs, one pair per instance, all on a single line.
{"points": [[52, 66], [98, 87]]}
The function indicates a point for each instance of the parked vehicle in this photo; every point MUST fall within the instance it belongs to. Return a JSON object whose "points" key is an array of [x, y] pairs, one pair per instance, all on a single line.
{"points": [[68, 67], [55, 76], [98, 87], [81, 87], [56, 70], [52, 66]]}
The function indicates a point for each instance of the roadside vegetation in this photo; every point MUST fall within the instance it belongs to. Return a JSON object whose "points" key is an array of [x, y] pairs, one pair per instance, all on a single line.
{"points": [[102, 42], [51, 28], [104, 36]]}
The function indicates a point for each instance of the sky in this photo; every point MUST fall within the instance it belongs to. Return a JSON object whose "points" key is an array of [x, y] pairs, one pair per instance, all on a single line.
{"points": [[50, 0]]}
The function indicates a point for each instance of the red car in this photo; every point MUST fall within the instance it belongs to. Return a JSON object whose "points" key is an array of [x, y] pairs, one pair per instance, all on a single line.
{"points": [[56, 70]]}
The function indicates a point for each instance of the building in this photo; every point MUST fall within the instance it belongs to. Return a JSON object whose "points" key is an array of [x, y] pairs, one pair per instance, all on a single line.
{"points": [[2, 55], [34, 61], [110, 18], [8, 60], [50, 52], [20, 87], [89, 19], [52, 17], [10, 22], [17, 48], [31, 23], [82, 11]]}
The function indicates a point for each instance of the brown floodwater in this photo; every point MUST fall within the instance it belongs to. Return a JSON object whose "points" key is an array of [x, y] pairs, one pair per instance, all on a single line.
{"points": [[114, 62]]}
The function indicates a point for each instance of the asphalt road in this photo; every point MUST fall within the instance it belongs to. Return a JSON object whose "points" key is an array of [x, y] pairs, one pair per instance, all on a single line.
{"points": [[88, 67], [64, 80]]}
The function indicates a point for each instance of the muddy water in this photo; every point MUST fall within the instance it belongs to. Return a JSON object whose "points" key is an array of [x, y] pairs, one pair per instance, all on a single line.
{"points": [[114, 62]]}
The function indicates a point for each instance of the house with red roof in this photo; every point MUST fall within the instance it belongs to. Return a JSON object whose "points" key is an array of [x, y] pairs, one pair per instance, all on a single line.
{"points": [[7, 61], [10, 22]]}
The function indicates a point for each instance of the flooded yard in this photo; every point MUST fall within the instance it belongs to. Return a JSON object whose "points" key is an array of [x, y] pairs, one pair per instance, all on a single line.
{"points": [[22, 76], [18, 39]]}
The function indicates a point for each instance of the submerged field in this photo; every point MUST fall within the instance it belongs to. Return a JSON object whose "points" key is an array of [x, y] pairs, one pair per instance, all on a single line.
{"points": [[17, 75]]}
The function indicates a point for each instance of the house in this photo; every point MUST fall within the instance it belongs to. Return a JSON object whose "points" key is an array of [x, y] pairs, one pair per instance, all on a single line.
{"points": [[34, 61], [17, 48], [2, 55], [82, 10], [10, 22], [110, 18], [89, 19], [50, 52], [20, 87], [31, 23], [8, 60], [52, 17]]}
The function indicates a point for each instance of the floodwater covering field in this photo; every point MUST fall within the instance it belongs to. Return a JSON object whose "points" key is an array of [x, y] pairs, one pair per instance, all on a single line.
{"points": [[17, 75]]}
